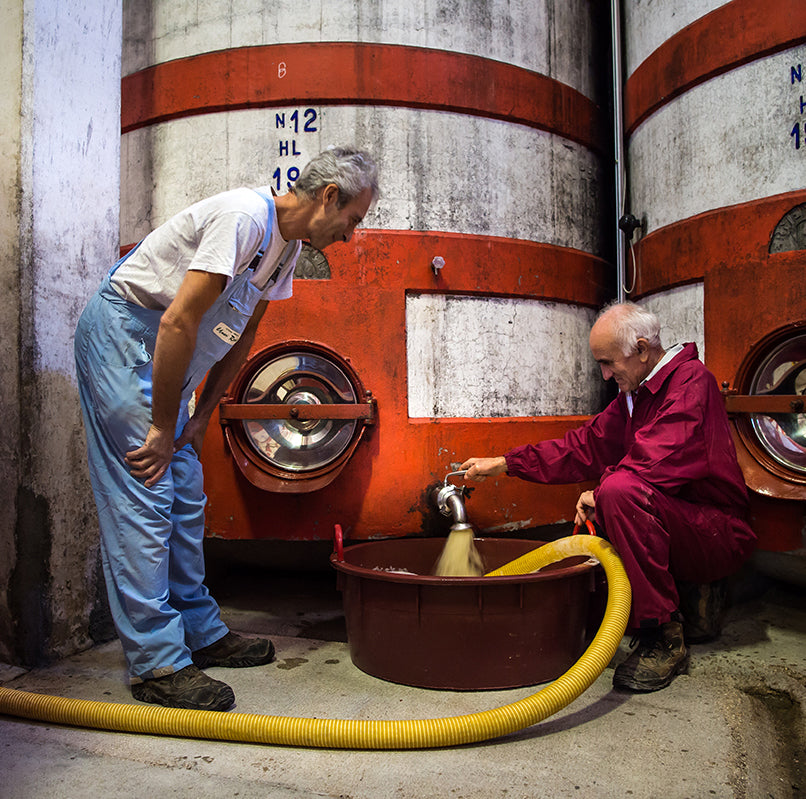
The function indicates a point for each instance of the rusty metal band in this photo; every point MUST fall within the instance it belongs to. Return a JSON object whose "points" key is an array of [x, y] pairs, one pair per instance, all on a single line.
{"points": [[300, 412]]}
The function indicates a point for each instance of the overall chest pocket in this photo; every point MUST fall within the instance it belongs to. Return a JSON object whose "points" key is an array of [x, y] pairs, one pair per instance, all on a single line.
{"points": [[221, 327]]}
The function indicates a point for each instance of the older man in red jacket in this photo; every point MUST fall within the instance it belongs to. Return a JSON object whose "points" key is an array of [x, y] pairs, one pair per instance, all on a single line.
{"points": [[670, 495]]}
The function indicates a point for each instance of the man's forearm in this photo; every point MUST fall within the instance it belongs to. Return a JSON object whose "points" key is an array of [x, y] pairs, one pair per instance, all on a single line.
{"points": [[176, 342], [172, 355]]}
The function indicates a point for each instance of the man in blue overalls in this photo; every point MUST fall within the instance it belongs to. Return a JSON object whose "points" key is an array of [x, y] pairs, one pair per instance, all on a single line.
{"points": [[183, 304]]}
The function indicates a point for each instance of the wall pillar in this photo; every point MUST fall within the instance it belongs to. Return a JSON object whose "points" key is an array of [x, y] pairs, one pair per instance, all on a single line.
{"points": [[60, 184]]}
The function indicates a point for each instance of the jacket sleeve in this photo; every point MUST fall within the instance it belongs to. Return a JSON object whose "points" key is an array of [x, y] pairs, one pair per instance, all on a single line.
{"points": [[581, 455]]}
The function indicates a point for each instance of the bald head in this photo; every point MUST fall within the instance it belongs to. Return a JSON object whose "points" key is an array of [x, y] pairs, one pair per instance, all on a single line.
{"points": [[625, 341], [629, 322]]}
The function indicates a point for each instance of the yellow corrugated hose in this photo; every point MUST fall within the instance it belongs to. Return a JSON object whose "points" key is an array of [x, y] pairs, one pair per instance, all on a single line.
{"points": [[354, 734]]}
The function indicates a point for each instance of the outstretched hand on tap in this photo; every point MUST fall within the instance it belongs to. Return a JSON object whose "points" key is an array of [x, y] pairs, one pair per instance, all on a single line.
{"points": [[479, 469]]}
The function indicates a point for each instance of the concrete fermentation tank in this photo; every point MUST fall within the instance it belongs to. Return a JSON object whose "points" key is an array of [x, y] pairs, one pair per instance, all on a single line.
{"points": [[455, 322], [715, 120]]}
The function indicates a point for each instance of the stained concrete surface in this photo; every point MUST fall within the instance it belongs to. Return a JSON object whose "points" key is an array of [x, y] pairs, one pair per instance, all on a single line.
{"points": [[733, 727]]}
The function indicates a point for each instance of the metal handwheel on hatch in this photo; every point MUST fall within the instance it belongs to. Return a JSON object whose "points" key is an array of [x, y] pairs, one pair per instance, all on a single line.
{"points": [[295, 414]]}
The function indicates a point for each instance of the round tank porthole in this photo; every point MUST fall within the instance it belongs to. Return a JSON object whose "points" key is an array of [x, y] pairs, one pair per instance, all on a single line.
{"points": [[299, 378], [773, 380], [294, 415]]}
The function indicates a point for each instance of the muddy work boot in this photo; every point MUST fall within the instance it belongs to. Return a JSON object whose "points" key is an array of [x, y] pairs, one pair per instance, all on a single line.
{"points": [[235, 652], [703, 607], [660, 656], [187, 688]]}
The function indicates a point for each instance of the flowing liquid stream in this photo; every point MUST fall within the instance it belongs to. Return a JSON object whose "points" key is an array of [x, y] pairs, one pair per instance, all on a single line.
{"points": [[459, 557]]}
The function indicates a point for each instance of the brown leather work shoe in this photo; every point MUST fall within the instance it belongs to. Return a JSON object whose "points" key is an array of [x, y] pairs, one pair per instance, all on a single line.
{"points": [[235, 652], [187, 688], [660, 656], [703, 607]]}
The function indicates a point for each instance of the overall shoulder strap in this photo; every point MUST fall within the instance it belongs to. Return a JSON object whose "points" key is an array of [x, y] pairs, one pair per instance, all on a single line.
{"points": [[267, 234]]}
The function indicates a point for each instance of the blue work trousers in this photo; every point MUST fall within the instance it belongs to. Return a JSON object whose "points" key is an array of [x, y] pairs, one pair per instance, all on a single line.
{"points": [[151, 538]]}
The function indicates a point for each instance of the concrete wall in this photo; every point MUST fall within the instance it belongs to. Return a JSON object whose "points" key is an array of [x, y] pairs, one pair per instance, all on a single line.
{"points": [[489, 123], [462, 173], [529, 33], [60, 182], [10, 96], [647, 25], [724, 142], [720, 139], [680, 311], [475, 357]]}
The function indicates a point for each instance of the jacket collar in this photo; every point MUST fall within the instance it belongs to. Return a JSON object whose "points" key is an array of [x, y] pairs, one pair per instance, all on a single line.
{"points": [[659, 376]]}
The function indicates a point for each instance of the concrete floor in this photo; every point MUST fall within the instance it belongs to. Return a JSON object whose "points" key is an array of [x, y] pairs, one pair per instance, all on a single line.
{"points": [[733, 727]]}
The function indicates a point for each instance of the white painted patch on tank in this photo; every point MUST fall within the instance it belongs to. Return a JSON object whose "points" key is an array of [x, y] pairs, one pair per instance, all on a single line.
{"points": [[438, 171], [481, 357], [649, 23], [551, 37], [728, 141], [681, 315]]}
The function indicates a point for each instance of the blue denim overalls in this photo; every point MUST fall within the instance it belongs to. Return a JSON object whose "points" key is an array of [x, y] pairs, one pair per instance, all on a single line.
{"points": [[151, 538]]}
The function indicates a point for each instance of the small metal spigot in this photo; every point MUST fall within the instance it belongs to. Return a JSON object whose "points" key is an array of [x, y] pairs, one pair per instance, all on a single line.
{"points": [[460, 473], [450, 500]]}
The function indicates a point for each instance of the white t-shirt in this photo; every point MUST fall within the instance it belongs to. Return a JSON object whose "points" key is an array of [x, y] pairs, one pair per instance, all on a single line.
{"points": [[221, 235]]}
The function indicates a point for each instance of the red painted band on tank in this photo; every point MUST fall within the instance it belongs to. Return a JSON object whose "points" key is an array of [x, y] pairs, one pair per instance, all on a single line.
{"points": [[347, 73], [685, 251], [474, 265], [748, 290], [735, 34]]}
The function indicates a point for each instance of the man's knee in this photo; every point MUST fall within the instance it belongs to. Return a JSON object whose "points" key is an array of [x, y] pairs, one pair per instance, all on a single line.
{"points": [[623, 488]]}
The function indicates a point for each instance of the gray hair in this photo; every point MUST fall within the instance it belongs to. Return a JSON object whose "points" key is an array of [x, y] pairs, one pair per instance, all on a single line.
{"points": [[352, 170], [631, 322]]}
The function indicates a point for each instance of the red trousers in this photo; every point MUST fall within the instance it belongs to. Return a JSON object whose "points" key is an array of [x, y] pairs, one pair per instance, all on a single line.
{"points": [[661, 539]]}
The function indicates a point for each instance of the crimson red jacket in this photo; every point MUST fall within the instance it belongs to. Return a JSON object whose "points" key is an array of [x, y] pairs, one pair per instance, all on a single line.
{"points": [[677, 439]]}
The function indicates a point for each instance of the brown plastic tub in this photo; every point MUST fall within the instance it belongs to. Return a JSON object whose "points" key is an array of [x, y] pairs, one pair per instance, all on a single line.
{"points": [[463, 633]]}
